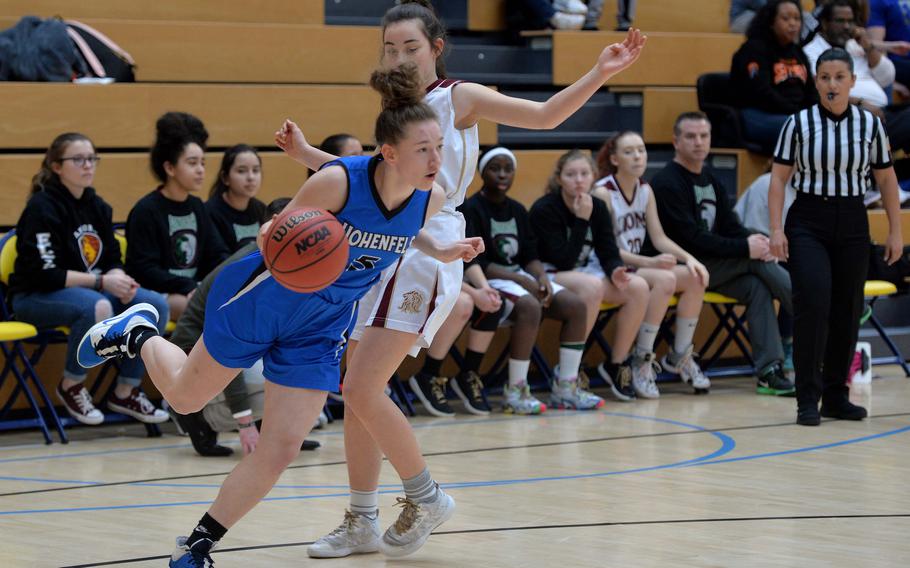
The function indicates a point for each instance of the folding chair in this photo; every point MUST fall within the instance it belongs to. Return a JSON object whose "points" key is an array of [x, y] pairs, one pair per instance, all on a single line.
{"points": [[16, 361], [731, 326], [60, 335], [875, 289]]}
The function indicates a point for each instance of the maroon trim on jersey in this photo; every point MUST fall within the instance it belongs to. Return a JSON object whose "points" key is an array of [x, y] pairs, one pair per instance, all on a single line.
{"points": [[443, 84], [383, 311], [613, 185], [432, 305]]}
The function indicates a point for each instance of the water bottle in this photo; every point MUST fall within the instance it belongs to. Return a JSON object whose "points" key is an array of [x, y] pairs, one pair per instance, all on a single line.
{"points": [[861, 380]]}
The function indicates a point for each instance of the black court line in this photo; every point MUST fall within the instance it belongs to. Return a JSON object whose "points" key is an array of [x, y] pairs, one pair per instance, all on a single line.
{"points": [[543, 527], [437, 454]]}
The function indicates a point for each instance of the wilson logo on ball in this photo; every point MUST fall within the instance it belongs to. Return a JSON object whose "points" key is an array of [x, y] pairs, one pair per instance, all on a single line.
{"points": [[292, 221]]}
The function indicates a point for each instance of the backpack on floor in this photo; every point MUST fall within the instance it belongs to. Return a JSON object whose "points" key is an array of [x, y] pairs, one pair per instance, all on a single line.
{"points": [[102, 56]]}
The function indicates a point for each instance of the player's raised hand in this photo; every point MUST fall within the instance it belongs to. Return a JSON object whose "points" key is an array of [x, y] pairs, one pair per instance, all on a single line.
{"points": [[618, 56], [289, 137]]}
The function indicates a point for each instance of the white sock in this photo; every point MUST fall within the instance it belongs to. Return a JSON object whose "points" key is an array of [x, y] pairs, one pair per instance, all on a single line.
{"points": [[365, 502], [685, 331], [570, 360], [518, 371], [647, 335]]}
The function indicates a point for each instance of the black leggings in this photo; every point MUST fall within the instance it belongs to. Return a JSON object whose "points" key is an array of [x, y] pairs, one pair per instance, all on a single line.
{"points": [[829, 260]]}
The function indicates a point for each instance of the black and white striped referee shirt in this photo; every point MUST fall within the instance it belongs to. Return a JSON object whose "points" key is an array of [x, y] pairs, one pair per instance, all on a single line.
{"points": [[832, 154]]}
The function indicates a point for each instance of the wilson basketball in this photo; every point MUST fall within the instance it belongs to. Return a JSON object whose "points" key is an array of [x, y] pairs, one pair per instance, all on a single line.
{"points": [[306, 249]]}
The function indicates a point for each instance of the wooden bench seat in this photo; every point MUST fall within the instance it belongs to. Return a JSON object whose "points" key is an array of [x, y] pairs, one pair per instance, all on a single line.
{"points": [[243, 53], [244, 11]]}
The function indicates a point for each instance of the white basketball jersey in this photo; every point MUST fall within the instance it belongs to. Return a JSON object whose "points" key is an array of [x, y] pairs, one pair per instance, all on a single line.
{"points": [[460, 147], [628, 216]]}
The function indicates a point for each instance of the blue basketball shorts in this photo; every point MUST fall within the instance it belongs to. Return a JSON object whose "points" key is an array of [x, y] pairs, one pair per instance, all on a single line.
{"points": [[301, 338]]}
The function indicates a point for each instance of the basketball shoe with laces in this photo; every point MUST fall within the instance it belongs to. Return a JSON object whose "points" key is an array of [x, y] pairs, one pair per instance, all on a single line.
{"points": [[357, 534]]}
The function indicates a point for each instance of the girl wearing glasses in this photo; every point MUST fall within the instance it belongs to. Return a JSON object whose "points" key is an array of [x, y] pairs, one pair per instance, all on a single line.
{"points": [[68, 273]]}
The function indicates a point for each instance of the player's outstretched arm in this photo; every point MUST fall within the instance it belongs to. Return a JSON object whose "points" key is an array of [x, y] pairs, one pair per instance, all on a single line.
{"points": [[290, 138], [474, 102]]}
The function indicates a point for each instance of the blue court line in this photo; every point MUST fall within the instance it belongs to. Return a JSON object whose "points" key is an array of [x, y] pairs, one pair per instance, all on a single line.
{"points": [[808, 448], [727, 445]]}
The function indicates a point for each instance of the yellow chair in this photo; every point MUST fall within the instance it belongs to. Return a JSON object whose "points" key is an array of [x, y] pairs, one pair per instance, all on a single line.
{"points": [[60, 334], [873, 290], [12, 334]]}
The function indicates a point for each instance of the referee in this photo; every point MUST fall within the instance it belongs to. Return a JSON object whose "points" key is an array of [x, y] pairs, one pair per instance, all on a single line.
{"points": [[829, 150]]}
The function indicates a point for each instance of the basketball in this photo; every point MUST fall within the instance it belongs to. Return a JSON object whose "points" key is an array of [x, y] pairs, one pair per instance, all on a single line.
{"points": [[306, 249]]}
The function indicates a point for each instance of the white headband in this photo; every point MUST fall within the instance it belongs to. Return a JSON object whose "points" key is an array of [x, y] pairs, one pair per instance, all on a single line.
{"points": [[498, 151]]}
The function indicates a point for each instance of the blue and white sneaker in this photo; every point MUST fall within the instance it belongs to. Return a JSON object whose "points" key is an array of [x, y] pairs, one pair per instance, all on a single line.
{"points": [[196, 556], [109, 338]]}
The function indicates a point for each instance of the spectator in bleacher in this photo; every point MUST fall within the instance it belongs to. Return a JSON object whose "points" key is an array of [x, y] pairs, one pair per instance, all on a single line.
{"points": [[635, 221], [742, 12], [564, 14], [232, 203], [511, 264], [340, 145], [68, 272], [570, 224], [240, 405], [769, 74], [752, 210], [696, 213], [874, 72], [889, 21], [172, 242]]}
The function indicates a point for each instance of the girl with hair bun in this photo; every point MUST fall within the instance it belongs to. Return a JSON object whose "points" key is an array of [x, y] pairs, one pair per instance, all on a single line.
{"points": [[68, 272], [172, 241], [412, 32], [301, 337]]}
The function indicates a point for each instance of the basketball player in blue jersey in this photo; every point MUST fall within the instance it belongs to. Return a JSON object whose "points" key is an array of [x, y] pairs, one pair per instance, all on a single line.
{"points": [[403, 312], [300, 337]]}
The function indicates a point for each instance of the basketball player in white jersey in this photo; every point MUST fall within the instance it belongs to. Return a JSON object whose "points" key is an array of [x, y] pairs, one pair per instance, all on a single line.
{"points": [[631, 203], [408, 306]]}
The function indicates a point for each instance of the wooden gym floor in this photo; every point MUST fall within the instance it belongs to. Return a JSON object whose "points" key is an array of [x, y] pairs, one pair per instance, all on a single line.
{"points": [[721, 480]]}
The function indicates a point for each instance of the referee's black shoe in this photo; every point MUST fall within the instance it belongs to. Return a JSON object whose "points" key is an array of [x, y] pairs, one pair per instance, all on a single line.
{"points": [[773, 381], [808, 416], [843, 410]]}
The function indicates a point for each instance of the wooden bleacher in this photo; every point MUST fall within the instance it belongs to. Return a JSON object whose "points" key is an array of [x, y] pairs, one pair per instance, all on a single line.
{"points": [[197, 52], [669, 59], [245, 11]]}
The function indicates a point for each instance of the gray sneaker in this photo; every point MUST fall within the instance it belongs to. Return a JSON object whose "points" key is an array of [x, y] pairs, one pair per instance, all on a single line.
{"points": [[688, 370], [644, 375], [519, 400], [357, 534], [415, 523]]}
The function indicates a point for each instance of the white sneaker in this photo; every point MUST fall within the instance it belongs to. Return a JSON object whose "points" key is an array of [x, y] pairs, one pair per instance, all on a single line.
{"points": [[688, 370], [563, 21], [644, 375], [357, 534], [571, 7], [415, 523]]}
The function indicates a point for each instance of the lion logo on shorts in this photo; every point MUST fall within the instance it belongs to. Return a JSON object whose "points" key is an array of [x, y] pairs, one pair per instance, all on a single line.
{"points": [[411, 302]]}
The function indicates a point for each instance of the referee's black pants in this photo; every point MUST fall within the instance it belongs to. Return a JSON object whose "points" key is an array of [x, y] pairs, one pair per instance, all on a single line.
{"points": [[829, 260]]}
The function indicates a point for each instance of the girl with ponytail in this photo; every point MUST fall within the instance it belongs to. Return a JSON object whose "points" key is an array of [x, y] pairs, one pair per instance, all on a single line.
{"points": [[301, 337], [412, 32]]}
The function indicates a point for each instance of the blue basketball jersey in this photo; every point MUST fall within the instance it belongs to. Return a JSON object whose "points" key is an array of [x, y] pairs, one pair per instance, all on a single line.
{"points": [[301, 337], [376, 236]]}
